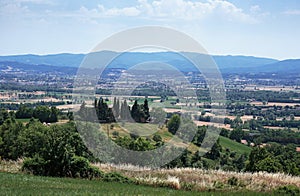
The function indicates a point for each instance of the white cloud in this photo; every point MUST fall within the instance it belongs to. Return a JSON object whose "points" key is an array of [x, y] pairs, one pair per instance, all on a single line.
{"points": [[127, 11], [157, 10], [255, 8], [19, 7], [173, 10], [292, 12], [34, 1], [10, 9]]}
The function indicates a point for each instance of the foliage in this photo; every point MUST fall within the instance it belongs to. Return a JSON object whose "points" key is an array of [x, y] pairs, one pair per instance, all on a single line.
{"points": [[173, 124], [274, 158], [288, 190], [41, 112], [53, 151], [116, 177]]}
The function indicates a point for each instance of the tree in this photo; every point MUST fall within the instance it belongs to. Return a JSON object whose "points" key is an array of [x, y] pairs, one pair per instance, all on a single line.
{"points": [[215, 151], [46, 114], [237, 134], [256, 155], [84, 112], [102, 110], [173, 124], [158, 116], [146, 109], [240, 162], [269, 164], [125, 111], [42, 113], [116, 108], [3, 116], [135, 114], [24, 112], [54, 114], [236, 122]]}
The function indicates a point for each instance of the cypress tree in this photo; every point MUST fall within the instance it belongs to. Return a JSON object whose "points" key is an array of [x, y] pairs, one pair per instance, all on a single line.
{"points": [[146, 109]]}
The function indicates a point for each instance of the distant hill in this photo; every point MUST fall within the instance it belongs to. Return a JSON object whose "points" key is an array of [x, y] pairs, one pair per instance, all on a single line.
{"points": [[61, 60], [291, 65], [8, 66], [227, 64]]}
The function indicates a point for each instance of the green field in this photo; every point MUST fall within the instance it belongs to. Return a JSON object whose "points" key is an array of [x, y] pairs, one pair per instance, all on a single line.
{"points": [[21, 184], [23, 120], [234, 146], [142, 129]]}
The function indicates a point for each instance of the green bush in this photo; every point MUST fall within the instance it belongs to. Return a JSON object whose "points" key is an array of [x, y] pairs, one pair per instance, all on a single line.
{"points": [[79, 167], [35, 165], [288, 190], [116, 177]]}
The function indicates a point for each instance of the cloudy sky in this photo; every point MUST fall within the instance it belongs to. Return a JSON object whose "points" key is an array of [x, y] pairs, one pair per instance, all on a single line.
{"points": [[266, 28]]}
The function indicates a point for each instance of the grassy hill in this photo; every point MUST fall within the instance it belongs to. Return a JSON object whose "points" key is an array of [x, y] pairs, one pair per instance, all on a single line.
{"points": [[188, 181], [234, 146]]}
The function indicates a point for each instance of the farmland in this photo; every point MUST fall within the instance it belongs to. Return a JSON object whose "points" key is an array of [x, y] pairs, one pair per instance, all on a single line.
{"points": [[256, 124]]}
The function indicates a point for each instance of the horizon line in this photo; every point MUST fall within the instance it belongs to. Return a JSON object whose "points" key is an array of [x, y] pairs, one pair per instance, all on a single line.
{"points": [[83, 53]]}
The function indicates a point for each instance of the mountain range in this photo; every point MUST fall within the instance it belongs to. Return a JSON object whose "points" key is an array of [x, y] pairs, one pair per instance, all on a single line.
{"points": [[227, 64]]}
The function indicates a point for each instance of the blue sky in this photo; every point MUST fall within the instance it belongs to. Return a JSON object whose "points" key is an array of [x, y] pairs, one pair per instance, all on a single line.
{"points": [[266, 28]]}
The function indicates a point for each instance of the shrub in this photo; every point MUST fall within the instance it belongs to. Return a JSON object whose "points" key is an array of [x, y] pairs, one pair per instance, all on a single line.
{"points": [[233, 181], [79, 167], [157, 138], [287, 190], [35, 165], [116, 177]]}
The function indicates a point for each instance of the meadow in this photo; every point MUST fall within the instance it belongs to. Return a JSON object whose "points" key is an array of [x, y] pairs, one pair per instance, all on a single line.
{"points": [[24, 184]]}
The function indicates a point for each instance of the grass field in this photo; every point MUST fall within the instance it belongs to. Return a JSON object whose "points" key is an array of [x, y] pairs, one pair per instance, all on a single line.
{"points": [[21, 184], [234, 146], [23, 120]]}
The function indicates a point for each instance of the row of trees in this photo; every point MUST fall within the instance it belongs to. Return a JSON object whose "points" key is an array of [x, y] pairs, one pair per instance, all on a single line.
{"points": [[138, 112], [120, 110], [43, 113]]}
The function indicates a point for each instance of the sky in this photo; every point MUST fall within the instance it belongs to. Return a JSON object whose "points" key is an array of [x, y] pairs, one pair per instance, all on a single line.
{"points": [[264, 28]]}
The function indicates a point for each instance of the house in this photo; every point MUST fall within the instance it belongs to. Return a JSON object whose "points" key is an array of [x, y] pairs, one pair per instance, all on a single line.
{"points": [[244, 142]]}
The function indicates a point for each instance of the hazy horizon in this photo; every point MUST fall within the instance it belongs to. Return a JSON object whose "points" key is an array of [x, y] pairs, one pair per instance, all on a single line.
{"points": [[149, 52], [223, 27]]}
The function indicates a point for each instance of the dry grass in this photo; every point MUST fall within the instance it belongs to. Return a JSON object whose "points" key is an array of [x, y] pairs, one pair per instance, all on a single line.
{"points": [[189, 178], [11, 166], [200, 179]]}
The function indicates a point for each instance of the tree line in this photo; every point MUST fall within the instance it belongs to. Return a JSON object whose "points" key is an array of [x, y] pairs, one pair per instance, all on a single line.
{"points": [[119, 111]]}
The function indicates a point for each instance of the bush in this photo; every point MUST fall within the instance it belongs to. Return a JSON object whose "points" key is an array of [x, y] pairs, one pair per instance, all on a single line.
{"points": [[79, 167], [157, 138], [116, 177], [35, 165], [288, 190]]}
